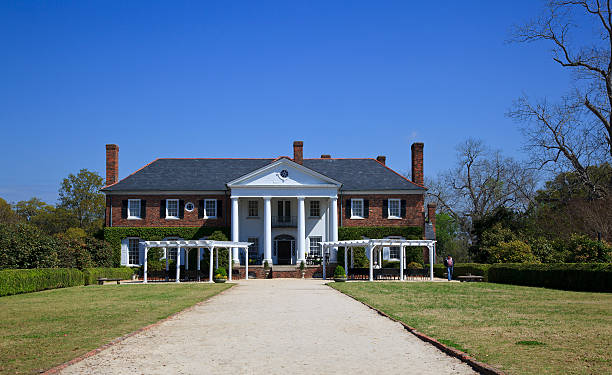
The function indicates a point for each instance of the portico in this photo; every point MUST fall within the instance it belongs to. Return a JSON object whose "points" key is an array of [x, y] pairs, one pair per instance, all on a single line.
{"points": [[263, 204]]}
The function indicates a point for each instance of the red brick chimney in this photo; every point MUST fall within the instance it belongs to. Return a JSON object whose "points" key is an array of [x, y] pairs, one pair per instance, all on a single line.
{"points": [[417, 163], [325, 156], [298, 152], [431, 215], [112, 164], [381, 159]]}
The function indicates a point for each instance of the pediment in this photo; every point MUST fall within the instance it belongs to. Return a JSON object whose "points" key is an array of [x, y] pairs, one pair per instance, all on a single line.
{"points": [[283, 172]]}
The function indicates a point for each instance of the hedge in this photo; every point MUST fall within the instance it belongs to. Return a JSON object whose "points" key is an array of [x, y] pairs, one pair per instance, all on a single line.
{"points": [[463, 269], [91, 275], [357, 233], [592, 277], [34, 280], [114, 235]]}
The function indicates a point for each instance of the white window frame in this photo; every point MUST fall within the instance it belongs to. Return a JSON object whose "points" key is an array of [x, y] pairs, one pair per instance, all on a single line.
{"points": [[399, 208], [319, 251], [131, 202], [399, 247], [206, 216], [318, 208], [256, 208], [130, 239], [187, 205], [178, 214], [353, 215]]}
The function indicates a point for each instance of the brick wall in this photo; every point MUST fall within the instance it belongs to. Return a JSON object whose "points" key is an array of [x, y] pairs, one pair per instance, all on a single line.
{"points": [[414, 211], [152, 218]]}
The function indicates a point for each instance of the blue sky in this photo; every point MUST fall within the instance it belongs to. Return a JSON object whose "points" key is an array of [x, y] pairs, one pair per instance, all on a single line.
{"points": [[245, 79]]}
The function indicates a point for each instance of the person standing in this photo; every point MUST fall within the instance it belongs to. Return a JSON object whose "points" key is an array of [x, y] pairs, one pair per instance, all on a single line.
{"points": [[449, 263]]}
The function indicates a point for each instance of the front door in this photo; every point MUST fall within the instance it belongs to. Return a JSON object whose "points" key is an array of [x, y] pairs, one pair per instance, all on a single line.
{"points": [[283, 248]]}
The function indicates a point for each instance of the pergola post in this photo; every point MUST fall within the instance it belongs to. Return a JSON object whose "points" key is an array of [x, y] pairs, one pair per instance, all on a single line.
{"points": [[167, 264], [246, 263], [199, 261], [146, 251], [178, 265], [230, 264], [401, 263], [345, 262], [210, 265], [323, 261], [371, 254], [431, 271]]}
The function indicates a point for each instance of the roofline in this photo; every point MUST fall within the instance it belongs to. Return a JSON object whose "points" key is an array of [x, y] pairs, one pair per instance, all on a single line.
{"points": [[136, 171], [305, 169]]}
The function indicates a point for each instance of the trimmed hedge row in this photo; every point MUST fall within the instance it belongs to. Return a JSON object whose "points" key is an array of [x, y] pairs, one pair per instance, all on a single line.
{"points": [[592, 277], [114, 235], [91, 275], [463, 269], [357, 233], [34, 280]]}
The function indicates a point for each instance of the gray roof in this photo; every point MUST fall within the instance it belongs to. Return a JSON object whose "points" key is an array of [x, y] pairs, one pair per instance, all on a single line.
{"points": [[213, 174]]}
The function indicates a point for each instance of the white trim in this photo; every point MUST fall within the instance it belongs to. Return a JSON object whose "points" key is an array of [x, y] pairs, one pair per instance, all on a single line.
{"points": [[353, 216], [130, 202], [192, 206], [216, 213], [178, 214], [291, 163], [399, 207]]}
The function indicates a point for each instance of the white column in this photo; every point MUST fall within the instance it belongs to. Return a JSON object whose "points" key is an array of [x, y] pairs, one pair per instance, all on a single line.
{"points": [[210, 265], [246, 263], [268, 230], [333, 218], [146, 252], [301, 223], [402, 263], [370, 251], [431, 254], [345, 261], [178, 264], [199, 261], [323, 249], [235, 235], [229, 271]]}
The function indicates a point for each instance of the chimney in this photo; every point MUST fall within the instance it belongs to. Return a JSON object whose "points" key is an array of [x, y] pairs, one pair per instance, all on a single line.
{"points": [[325, 156], [112, 164], [298, 152], [431, 215], [417, 163], [381, 159]]}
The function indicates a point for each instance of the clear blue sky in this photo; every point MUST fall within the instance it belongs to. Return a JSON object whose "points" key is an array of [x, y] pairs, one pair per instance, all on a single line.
{"points": [[245, 79]]}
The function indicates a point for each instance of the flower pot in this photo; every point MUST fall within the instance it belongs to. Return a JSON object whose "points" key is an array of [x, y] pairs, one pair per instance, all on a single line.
{"points": [[339, 279], [303, 274], [219, 280]]}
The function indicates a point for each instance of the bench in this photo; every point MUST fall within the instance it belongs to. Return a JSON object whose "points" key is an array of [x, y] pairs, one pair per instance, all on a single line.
{"points": [[103, 279], [469, 278]]}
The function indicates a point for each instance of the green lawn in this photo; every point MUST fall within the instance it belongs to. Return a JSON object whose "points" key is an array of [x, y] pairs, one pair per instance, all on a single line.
{"points": [[44, 329], [520, 330]]}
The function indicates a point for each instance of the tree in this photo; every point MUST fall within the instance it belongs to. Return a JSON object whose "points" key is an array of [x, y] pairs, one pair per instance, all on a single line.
{"points": [[450, 240], [7, 215], [482, 181], [30, 208], [575, 132], [81, 195]]}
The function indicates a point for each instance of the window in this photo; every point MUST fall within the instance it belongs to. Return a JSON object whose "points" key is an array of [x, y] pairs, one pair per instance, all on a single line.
{"points": [[254, 248], [394, 208], [172, 251], [253, 209], [315, 209], [315, 246], [134, 251], [394, 252], [172, 208], [133, 208], [189, 206], [357, 208], [210, 208]]}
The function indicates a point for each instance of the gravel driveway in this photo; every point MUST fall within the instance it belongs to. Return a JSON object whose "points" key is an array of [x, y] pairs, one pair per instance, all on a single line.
{"points": [[273, 327]]}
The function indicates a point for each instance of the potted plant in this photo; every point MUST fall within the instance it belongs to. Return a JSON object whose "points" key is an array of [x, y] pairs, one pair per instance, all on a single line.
{"points": [[339, 274], [302, 268], [266, 267], [220, 275]]}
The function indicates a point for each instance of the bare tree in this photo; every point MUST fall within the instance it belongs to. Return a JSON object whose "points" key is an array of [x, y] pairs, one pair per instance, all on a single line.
{"points": [[482, 181], [575, 132]]}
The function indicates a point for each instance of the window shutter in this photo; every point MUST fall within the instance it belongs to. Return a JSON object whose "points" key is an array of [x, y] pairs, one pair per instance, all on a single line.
{"points": [[162, 209], [366, 208], [347, 209], [181, 208], [219, 207], [124, 252], [143, 208], [403, 213], [124, 209], [385, 210], [201, 209]]}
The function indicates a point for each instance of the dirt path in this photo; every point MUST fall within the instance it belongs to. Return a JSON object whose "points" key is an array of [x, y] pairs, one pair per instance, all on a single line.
{"points": [[274, 327]]}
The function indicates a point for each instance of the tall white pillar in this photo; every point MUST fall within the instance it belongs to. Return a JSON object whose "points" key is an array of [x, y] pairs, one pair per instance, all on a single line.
{"points": [[146, 252], [210, 265], [401, 263], [235, 235], [333, 219], [268, 230], [178, 264], [199, 261], [370, 251], [301, 223], [431, 268]]}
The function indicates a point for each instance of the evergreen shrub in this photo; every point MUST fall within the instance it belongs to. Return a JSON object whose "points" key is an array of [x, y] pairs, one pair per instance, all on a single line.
{"points": [[34, 280]]}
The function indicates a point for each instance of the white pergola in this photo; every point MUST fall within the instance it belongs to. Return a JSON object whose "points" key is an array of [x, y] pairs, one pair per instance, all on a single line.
{"points": [[372, 244], [200, 245]]}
